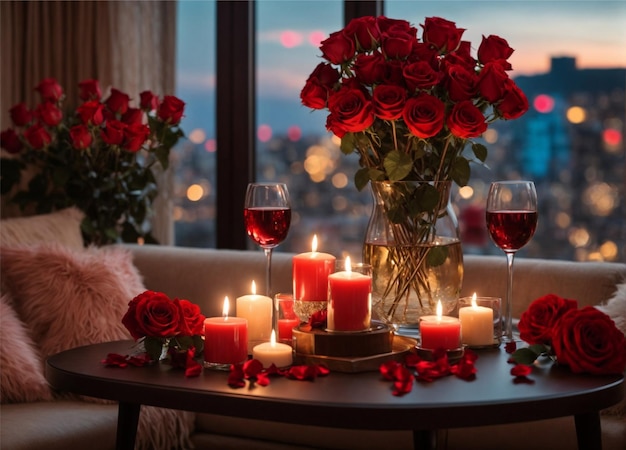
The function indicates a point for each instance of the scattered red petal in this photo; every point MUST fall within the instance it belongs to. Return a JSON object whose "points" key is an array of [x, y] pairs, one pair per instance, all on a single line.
{"points": [[115, 360], [139, 361], [388, 369], [252, 368], [235, 377], [262, 379], [510, 347], [194, 368], [521, 370]]}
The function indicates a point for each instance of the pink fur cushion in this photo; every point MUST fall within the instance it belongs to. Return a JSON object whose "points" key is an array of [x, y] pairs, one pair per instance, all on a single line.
{"points": [[21, 378], [70, 298]]}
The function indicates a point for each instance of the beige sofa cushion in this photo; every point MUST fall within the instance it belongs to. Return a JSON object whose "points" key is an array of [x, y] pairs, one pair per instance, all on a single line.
{"points": [[62, 227]]}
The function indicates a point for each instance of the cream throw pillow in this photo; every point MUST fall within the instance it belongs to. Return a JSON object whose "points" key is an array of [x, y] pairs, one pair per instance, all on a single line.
{"points": [[61, 226]]}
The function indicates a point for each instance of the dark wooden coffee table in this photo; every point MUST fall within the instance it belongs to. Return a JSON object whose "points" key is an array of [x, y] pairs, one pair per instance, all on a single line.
{"points": [[359, 401]]}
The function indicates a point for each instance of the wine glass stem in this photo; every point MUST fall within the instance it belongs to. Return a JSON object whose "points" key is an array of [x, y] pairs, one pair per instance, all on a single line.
{"points": [[508, 317], [268, 281]]}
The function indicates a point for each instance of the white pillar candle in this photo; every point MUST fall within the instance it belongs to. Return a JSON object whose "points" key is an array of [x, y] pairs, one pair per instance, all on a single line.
{"points": [[273, 352], [257, 309], [476, 324]]}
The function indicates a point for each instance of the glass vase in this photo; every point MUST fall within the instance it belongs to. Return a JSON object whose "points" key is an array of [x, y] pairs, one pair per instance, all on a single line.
{"points": [[412, 243]]}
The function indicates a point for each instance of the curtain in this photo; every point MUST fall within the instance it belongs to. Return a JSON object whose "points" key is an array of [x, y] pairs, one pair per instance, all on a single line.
{"points": [[129, 45]]}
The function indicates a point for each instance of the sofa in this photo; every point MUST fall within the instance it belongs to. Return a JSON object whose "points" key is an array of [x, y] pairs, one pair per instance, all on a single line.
{"points": [[205, 276]]}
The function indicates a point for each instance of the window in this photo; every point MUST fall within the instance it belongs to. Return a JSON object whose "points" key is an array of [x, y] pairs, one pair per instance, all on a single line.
{"points": [[571, 142]]}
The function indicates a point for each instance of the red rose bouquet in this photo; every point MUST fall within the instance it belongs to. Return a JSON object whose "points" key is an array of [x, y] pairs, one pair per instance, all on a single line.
{"points": [[159, 323], [585, 339], [408, 106], [99, 158]]}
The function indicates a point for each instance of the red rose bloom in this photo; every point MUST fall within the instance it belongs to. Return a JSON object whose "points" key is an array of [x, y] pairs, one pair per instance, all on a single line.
{"points": [[89, 90], [20, 115], [424, 115], [442, 33], [314, 95], [113, 132], [192, 317], [420, 75], [365, 32], [491, 82], [148, 101], [152, 314], [37, 136], [351, 110], [588, 341], [536, 324], [370, 69], [117, 101], [81, 137], [494, 48], [466, 120], [514, 103], [133, 115], [171, 110], [90, 112], [388, 101], [338, 48], [10, 141], [397, 42], [462, 56], [460, 82], [134, 137], [49, 114], [50, 90]]}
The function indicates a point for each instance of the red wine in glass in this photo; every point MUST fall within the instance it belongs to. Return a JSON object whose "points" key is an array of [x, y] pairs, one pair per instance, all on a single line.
{"points": [[511, 216], [511, 230], [267, 226]]}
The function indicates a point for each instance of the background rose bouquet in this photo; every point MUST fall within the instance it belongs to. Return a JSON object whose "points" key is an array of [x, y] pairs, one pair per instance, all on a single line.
{"points": [[99, 158], [585, 339], [159, 322]]}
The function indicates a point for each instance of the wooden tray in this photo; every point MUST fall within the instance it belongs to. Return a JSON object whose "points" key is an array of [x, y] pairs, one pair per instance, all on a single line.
{"points": [[401, 345]]}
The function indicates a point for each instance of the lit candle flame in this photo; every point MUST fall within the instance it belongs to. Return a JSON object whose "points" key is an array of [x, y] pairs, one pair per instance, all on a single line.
{"points": [[253, 289], [348, 265], [439, 310], [314, 243], [474, 305], [273, 339], [225, 308]]}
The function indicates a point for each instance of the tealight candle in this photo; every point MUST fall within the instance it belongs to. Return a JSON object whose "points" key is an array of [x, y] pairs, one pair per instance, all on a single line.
{"points": [[257, 309], [225, 340], [476, 324], [350, 300], [310, 274], [273, 352], [440, 331]]}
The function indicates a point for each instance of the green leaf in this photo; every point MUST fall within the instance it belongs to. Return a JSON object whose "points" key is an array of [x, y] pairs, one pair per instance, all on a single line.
{"points": [[198, 343], [362, 177], [11, 172], [524, 356], [480, 151], [347, 143], [398, 165], [437, 256], [460, 171], [154, 347], [428, 197]]}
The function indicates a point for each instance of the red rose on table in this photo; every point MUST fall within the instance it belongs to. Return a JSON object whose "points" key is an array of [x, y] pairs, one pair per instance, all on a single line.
{"points": [[537, 323], [351, 110], [152, 314], [494, 48], [50, 90], [588, 341], [20, 115], [388, 101], [91, 112], [338, 48], [466, 120], [192, 317], [442, 33], [514, 103], [424, 115], [117, 101], [171, 109], [81, 137], [10, 141], [49, 114], [37, 136], [89, 90]]}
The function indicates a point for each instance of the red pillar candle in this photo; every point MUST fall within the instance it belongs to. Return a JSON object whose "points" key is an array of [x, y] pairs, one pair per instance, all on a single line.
{"points": [[349, 303], [226, 340], [310, 274], [440, 331], [287, 318]]}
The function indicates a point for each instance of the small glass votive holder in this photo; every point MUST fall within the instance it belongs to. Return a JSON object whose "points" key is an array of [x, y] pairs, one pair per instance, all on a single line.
{"points": [[286, 317], [350, 298], [481, 321]]}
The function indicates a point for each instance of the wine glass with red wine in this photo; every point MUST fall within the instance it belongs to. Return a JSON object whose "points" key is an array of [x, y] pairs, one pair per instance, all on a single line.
{"points": [[267, 215], [511, 221]]}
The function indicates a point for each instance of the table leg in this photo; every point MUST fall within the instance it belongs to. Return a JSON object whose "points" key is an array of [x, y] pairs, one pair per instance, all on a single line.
{"points": [[424, 439], [127, 420], [588, 431]]}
